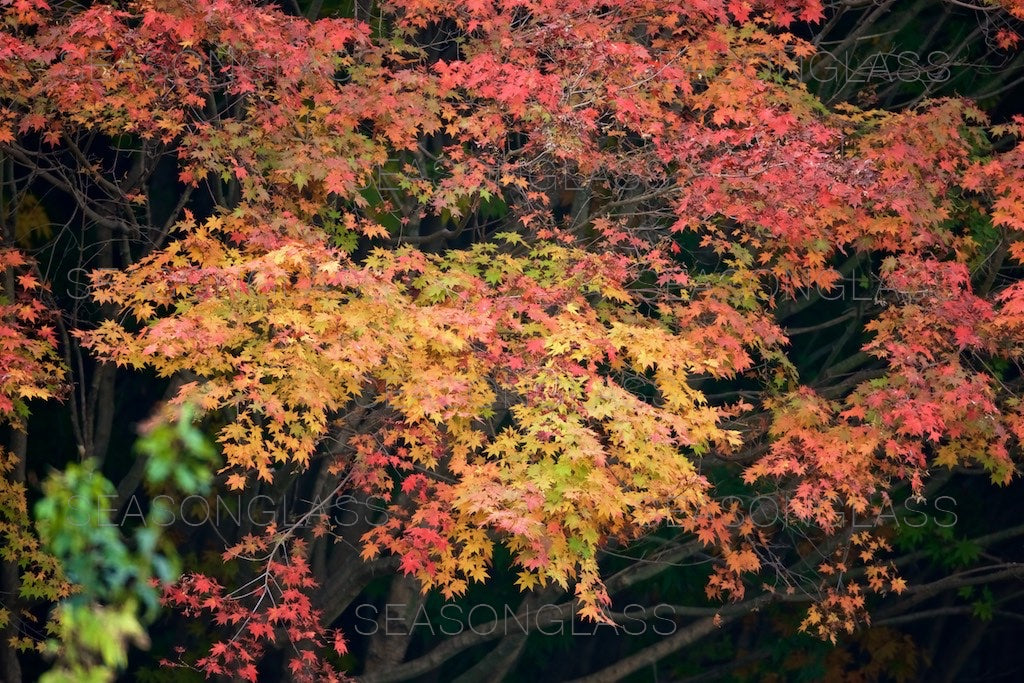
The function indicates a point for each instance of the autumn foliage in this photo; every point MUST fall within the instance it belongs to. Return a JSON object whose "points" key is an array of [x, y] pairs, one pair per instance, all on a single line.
{"points": [[367, 277]]}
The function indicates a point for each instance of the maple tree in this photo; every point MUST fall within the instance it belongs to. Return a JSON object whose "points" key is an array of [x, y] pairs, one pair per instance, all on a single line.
{"points": [[532, 274]]}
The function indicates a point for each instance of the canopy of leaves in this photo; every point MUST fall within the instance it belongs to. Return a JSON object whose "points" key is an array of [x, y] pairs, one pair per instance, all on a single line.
{"points": [[383, 286]]}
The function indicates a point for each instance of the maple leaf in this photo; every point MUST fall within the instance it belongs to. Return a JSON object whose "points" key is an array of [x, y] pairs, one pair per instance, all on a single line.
{"points": [[28, 281], [260, 630]]}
